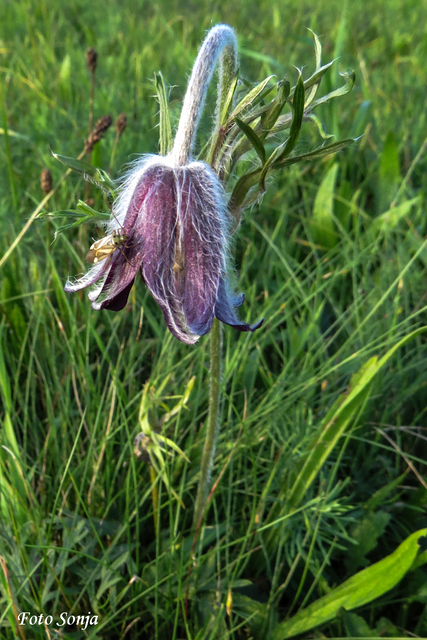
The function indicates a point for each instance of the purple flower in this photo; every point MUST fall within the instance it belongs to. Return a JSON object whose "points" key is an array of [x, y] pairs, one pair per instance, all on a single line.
{"points": [[173, 221], [174, 226]]}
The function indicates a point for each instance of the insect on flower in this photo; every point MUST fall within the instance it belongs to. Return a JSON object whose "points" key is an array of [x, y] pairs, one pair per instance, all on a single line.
{"points": [[105, 247]]}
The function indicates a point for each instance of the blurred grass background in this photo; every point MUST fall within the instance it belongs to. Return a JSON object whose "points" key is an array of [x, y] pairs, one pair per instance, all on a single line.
{"points": [[77, 519]]}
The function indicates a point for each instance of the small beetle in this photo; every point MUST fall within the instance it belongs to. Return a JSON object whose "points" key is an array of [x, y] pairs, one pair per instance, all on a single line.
{"points": [[105, 247]]}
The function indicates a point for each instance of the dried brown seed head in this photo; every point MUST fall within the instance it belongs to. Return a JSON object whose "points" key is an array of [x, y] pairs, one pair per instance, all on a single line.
{"points": [[97, 133], [121, 123], [91, 59], [46, 180]]}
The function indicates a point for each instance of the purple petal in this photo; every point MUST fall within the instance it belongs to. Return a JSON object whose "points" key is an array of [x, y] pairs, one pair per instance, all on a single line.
{"points": [[178, 328], [224, 311], [89, 278], [120, 300], [149, 182], [125, 262], [237, 299], [175, 323], [157, 225], [201, 240], [127, 259]]}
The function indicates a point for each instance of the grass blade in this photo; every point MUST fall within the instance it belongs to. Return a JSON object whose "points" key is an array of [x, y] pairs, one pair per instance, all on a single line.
{"points": [[165, 131], [358, 590], [338, 418], [322, 225]]}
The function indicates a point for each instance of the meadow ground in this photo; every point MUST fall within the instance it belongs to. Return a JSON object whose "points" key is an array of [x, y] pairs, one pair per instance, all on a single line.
{"points": [[334, 259]]}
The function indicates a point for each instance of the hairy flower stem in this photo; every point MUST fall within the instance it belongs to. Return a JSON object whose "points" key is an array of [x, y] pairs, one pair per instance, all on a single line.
{"points": [[219, 45], [213, 424], [155, 498]]}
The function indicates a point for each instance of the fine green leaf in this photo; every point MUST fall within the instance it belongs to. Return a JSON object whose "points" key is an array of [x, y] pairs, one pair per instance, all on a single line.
{"points": [[358, 590], [318, 56], [317, 75], [102, 179], [15, 134], [361, 120], [297, 115], [71, 225], [241, 188], [247, 181], [228, 102], [81, 213], [85, 208], [8, 433], [350, 79], [320, 127], [11, 464], [78, 165], [321, 152], [180, 405], [332, 427], [96, 175], [273, 111], [64, 213], [165, 131], [254, 96], [253, 138], [366, 534], [419, 561], [255, 613], [285, 149], [65, 78], [283, 121], [317, 49], [386, 629], [380, 496]]}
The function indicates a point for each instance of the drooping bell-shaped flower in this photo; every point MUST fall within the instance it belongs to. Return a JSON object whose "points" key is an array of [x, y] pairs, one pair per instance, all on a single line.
{"points": [[171, 223]]}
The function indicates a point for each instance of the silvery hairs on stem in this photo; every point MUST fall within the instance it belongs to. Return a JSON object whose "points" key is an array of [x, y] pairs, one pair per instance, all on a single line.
{"points": [[220, 41], [174, 221]]}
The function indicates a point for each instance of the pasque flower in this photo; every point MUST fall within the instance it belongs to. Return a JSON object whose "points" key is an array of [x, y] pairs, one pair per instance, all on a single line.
{"points": [[172, 222]]}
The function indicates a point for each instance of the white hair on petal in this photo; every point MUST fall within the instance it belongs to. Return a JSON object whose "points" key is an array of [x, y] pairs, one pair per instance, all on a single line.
{"points": [[96, 290], [128, 183], [219, 205], [75, 284], [204, 186]]}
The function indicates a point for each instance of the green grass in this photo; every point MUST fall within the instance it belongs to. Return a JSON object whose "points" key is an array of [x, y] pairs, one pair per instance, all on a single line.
{"points": [[78, 507]]}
